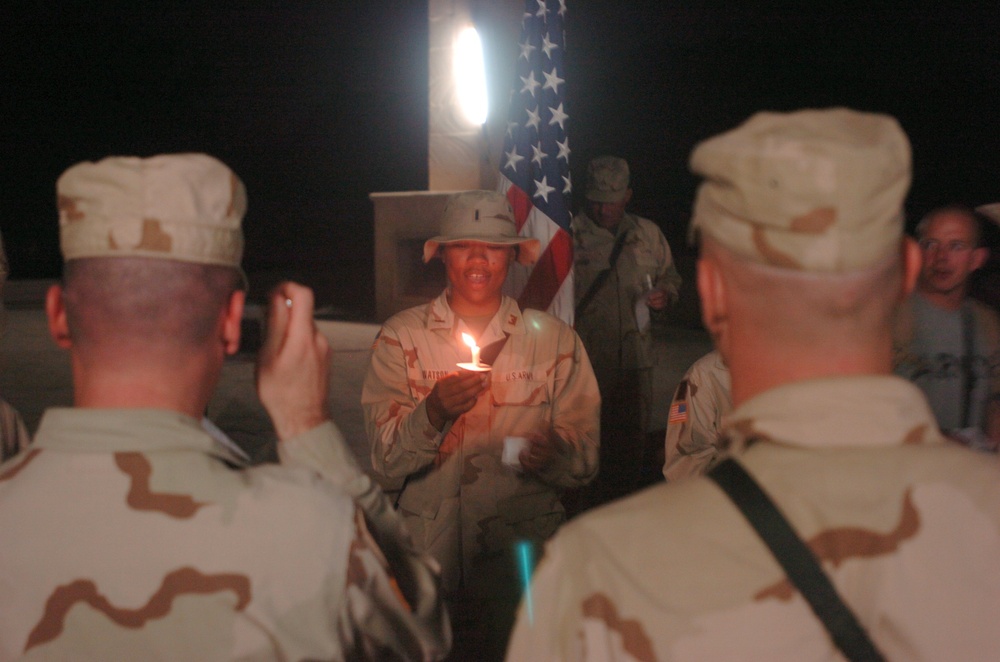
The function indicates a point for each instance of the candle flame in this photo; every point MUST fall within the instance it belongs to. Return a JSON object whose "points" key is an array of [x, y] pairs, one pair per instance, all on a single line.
{"points": [[468, 340]]}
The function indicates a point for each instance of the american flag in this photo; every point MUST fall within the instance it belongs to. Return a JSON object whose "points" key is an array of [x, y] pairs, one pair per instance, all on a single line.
{"points": [[534, 168], [678, 413]]}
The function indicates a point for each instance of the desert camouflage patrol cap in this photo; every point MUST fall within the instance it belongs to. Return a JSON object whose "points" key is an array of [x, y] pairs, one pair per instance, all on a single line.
{"points": [[607, 179], [185, 207], [484, 216], [812, 190]]}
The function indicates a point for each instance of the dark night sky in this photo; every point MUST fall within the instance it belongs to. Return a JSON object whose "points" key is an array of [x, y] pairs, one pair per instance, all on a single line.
{"points": [[316, 104]]}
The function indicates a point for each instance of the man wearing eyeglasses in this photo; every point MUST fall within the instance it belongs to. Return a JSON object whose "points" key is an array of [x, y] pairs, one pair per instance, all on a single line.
{"points": [[947, 343]]}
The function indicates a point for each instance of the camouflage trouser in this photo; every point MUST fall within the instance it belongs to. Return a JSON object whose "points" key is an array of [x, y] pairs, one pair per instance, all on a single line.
{"points": [[482, 613]]}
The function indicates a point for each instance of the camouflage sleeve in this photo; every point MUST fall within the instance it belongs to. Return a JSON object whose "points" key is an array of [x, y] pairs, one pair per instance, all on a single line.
{"points": [[678, 431], [543, 630], [402, 438], [692, 441], [576, 408], [564, 617], [324, 450], [379, 619]]}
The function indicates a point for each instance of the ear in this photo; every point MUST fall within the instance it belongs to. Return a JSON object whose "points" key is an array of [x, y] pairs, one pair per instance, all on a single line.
{"points": [[55, 310], [714, 309], [232, 316], [912, 264], [628, 197], [979, 257]]}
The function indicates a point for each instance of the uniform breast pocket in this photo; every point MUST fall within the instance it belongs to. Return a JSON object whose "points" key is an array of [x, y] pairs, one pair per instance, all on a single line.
{"points": [[520, 393], [645, 260]]}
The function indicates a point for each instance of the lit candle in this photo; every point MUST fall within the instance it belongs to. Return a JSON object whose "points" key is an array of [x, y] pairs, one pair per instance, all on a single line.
{"points": [[471, 342]]}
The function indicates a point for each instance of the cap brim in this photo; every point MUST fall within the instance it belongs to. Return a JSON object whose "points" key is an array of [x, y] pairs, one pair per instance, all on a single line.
{"points": [[527, 255]]}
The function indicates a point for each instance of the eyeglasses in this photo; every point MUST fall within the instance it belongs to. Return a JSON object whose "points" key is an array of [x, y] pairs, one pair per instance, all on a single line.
{"points": [[955, 247]]}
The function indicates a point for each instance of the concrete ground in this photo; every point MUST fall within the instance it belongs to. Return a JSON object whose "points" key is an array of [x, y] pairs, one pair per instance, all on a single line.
{"points": [[35, 374]]}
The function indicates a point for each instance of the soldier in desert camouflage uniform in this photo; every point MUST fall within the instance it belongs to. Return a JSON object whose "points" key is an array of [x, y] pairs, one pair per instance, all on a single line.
{"points": [[694, 423], [444, 429], [803, 264], [614, 305], [128, 532]]}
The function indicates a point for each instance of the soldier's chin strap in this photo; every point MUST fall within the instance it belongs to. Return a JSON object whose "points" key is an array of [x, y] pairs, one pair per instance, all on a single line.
{"points": [[797, 560]]}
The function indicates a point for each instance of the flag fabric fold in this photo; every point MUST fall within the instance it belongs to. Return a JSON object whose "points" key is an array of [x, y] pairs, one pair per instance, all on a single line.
{"points": [[534, 167]]}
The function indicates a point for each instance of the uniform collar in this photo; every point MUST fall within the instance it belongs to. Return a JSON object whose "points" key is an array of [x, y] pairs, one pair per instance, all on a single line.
{"points": [[79, 429], [508, 320], [871, 410]]}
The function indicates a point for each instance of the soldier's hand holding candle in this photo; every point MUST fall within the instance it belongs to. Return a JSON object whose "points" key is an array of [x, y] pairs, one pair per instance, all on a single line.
{"points": [[453, 395]]}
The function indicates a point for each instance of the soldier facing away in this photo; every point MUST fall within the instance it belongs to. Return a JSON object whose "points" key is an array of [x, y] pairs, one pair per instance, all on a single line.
{"points": [[803, 264], [128, 531]]}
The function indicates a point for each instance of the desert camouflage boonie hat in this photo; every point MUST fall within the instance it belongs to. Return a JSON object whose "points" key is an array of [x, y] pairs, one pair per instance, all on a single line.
{"points": [[607, 179], [185, 207], [484, 216], [813, 190]]}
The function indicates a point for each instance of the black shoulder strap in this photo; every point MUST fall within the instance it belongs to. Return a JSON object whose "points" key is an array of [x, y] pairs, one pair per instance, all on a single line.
{"points": [[796, 559], [599, 281]]}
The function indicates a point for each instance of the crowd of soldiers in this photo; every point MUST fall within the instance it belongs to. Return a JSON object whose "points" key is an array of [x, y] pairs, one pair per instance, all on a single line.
{"points": [[832, 484]]}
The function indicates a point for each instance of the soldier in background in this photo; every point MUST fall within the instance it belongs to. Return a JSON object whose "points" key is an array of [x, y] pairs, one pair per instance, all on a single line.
{"points": [[472, 497], [13, 435], [803, 264], [694, 441], [128, 531], [623, 274]]}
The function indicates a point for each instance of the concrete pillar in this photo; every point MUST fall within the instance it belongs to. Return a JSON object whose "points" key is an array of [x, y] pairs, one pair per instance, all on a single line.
{"points": [[460, 155]]}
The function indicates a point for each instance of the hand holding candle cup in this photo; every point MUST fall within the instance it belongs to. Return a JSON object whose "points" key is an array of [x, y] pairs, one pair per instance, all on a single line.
{"points": [[453, 395], [537, 453]]}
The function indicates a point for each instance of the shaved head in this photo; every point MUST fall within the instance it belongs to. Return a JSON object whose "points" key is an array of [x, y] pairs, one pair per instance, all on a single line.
{"points": [[800, 324], [116, 302], [801, 305]]}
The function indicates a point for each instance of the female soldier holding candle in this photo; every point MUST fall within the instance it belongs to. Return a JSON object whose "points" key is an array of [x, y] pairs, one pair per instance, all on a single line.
{"points": [[443, 429]]}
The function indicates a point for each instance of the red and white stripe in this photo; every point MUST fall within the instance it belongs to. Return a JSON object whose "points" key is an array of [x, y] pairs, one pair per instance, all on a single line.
{"points": [[548, 285]]}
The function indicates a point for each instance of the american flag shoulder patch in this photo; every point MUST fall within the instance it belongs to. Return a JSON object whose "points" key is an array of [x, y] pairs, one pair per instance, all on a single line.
{"points": [[678, 412]]}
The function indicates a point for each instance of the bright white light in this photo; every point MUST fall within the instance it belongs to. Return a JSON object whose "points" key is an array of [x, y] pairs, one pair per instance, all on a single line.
{"points": [[470, 76]]}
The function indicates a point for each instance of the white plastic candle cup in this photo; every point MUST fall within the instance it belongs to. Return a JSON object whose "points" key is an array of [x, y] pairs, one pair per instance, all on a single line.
{"points": [[512, 447]]}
